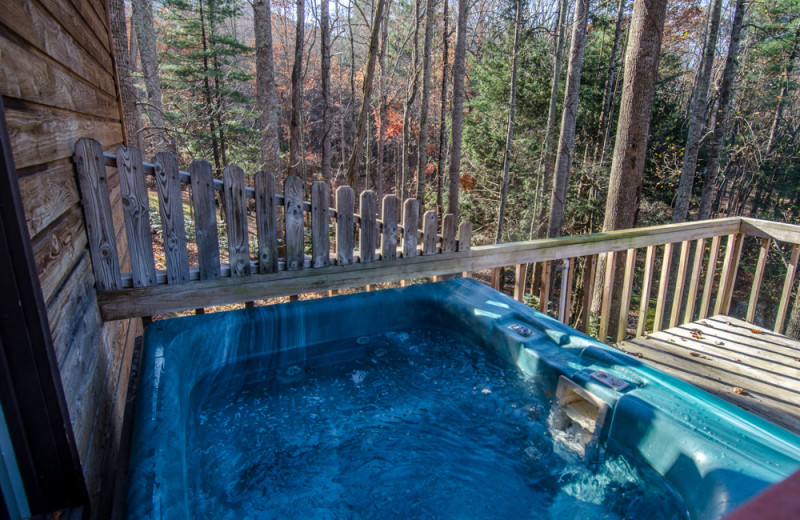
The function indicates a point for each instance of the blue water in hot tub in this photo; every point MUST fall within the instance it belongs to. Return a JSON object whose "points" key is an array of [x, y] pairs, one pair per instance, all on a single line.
{"points": [[408, 424], [431, 401]]}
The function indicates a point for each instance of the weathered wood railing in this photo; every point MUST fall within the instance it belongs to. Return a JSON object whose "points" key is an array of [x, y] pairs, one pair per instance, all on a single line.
{"points": [[700, 288], [702, 283], [145, 291]]}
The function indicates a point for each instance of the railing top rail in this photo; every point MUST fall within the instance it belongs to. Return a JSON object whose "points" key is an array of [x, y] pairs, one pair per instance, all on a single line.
{"points": [[780, 231]]}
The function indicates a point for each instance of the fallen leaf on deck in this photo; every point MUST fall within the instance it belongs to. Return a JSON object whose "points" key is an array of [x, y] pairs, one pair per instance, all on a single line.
{"points": [[738, 390], [755, 331], [719, 343]]}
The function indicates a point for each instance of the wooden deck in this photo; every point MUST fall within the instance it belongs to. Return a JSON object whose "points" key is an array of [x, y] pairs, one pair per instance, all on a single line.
{"points": [[751, 367]]}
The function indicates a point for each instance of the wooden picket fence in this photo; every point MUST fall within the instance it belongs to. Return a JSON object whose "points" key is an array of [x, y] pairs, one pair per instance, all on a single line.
{"points": [[379, 241]]}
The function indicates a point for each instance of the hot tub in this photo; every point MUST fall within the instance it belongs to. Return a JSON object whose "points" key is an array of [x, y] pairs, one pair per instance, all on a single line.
{"points": [[444, 400]]}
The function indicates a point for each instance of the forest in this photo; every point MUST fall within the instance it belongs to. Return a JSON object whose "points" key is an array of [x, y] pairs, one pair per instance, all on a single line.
{"points": [[511, 114]]}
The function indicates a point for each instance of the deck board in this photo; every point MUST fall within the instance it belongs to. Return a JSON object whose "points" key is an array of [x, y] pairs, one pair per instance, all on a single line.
{"points": [[748, 366]]}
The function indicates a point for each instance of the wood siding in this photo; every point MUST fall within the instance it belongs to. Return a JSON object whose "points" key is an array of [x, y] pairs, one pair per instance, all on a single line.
{"points": [[58, 85]]}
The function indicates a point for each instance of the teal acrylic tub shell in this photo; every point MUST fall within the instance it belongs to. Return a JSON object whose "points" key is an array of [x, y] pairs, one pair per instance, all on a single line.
{"points": [[715, 455]]}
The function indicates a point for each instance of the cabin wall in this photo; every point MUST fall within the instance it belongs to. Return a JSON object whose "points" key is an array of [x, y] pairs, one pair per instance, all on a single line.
{"points": [[57, 83]]}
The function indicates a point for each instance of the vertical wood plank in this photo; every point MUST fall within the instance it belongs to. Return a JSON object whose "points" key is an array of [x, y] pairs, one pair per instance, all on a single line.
{"points": [[389, 228], [680, 282], [449, 233], [410, 225], [345, 200], [647, 285], [97, 213], [236, 220], [429, 237], [608, 288], [136, 207], [663, 286], [367, 233], [266, 222], [730, 266], [711, 271], [544, 289], [627, 289], [497, 278], [172, 226], [320, 220], [694, 280], [464, 236], [783, 306], [588, 289], [205, 219], [519, 281], [567, 313], [293, 222], [757, 278]]}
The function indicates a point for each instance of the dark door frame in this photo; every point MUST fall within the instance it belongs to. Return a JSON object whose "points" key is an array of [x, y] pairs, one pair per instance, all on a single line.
{"points": [[30, 383]]}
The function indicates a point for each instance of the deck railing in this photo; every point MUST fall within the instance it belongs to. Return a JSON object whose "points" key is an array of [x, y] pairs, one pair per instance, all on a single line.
{"points": [[701, 284]]}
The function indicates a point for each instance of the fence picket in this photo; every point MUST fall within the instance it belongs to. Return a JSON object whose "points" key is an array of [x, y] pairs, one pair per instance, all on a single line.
{"points": [[389, 225], [344, 224], [320, 219], [293, 220], [205, 219], [136, 207], [170, 206], [236, 220], [266, 223], [368, 226]]}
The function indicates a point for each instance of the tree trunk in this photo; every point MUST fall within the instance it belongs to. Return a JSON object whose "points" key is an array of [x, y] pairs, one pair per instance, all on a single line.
{"points": [[265, 87], [566, 142], [325, 87], [422, 142], [611, 72], [512, 103], [382, 108], [146, 38], [411, 95], [119, 37], [787, 73], [442, 117], [548, 161], [457, 119], [209, 101], [723, 109], [633, 127], [297, 92], [355, 156], [697, 117]]}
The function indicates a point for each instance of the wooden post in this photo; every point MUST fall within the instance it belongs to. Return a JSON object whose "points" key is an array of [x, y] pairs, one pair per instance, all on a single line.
{"points": [[711, 271], [205, 219], [567, 298], [608, 288], [136, 207], [345, 231], [172, 227], [730, 267], [783, 306], [588, 289], [293, 217], [680, 281], [429, 237], [694, 280], [663, 285], [647, 284], [320, 219], [368, 226], [266, 223], [236, 220], [410, 225], [759, 275], [627, 289], [97, 213], [519, 281], [389, 228], [464, 241], [449, 233]]}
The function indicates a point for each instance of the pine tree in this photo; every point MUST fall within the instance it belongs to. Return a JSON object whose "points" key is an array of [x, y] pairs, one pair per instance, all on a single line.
{"points": [[205, 83]]}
